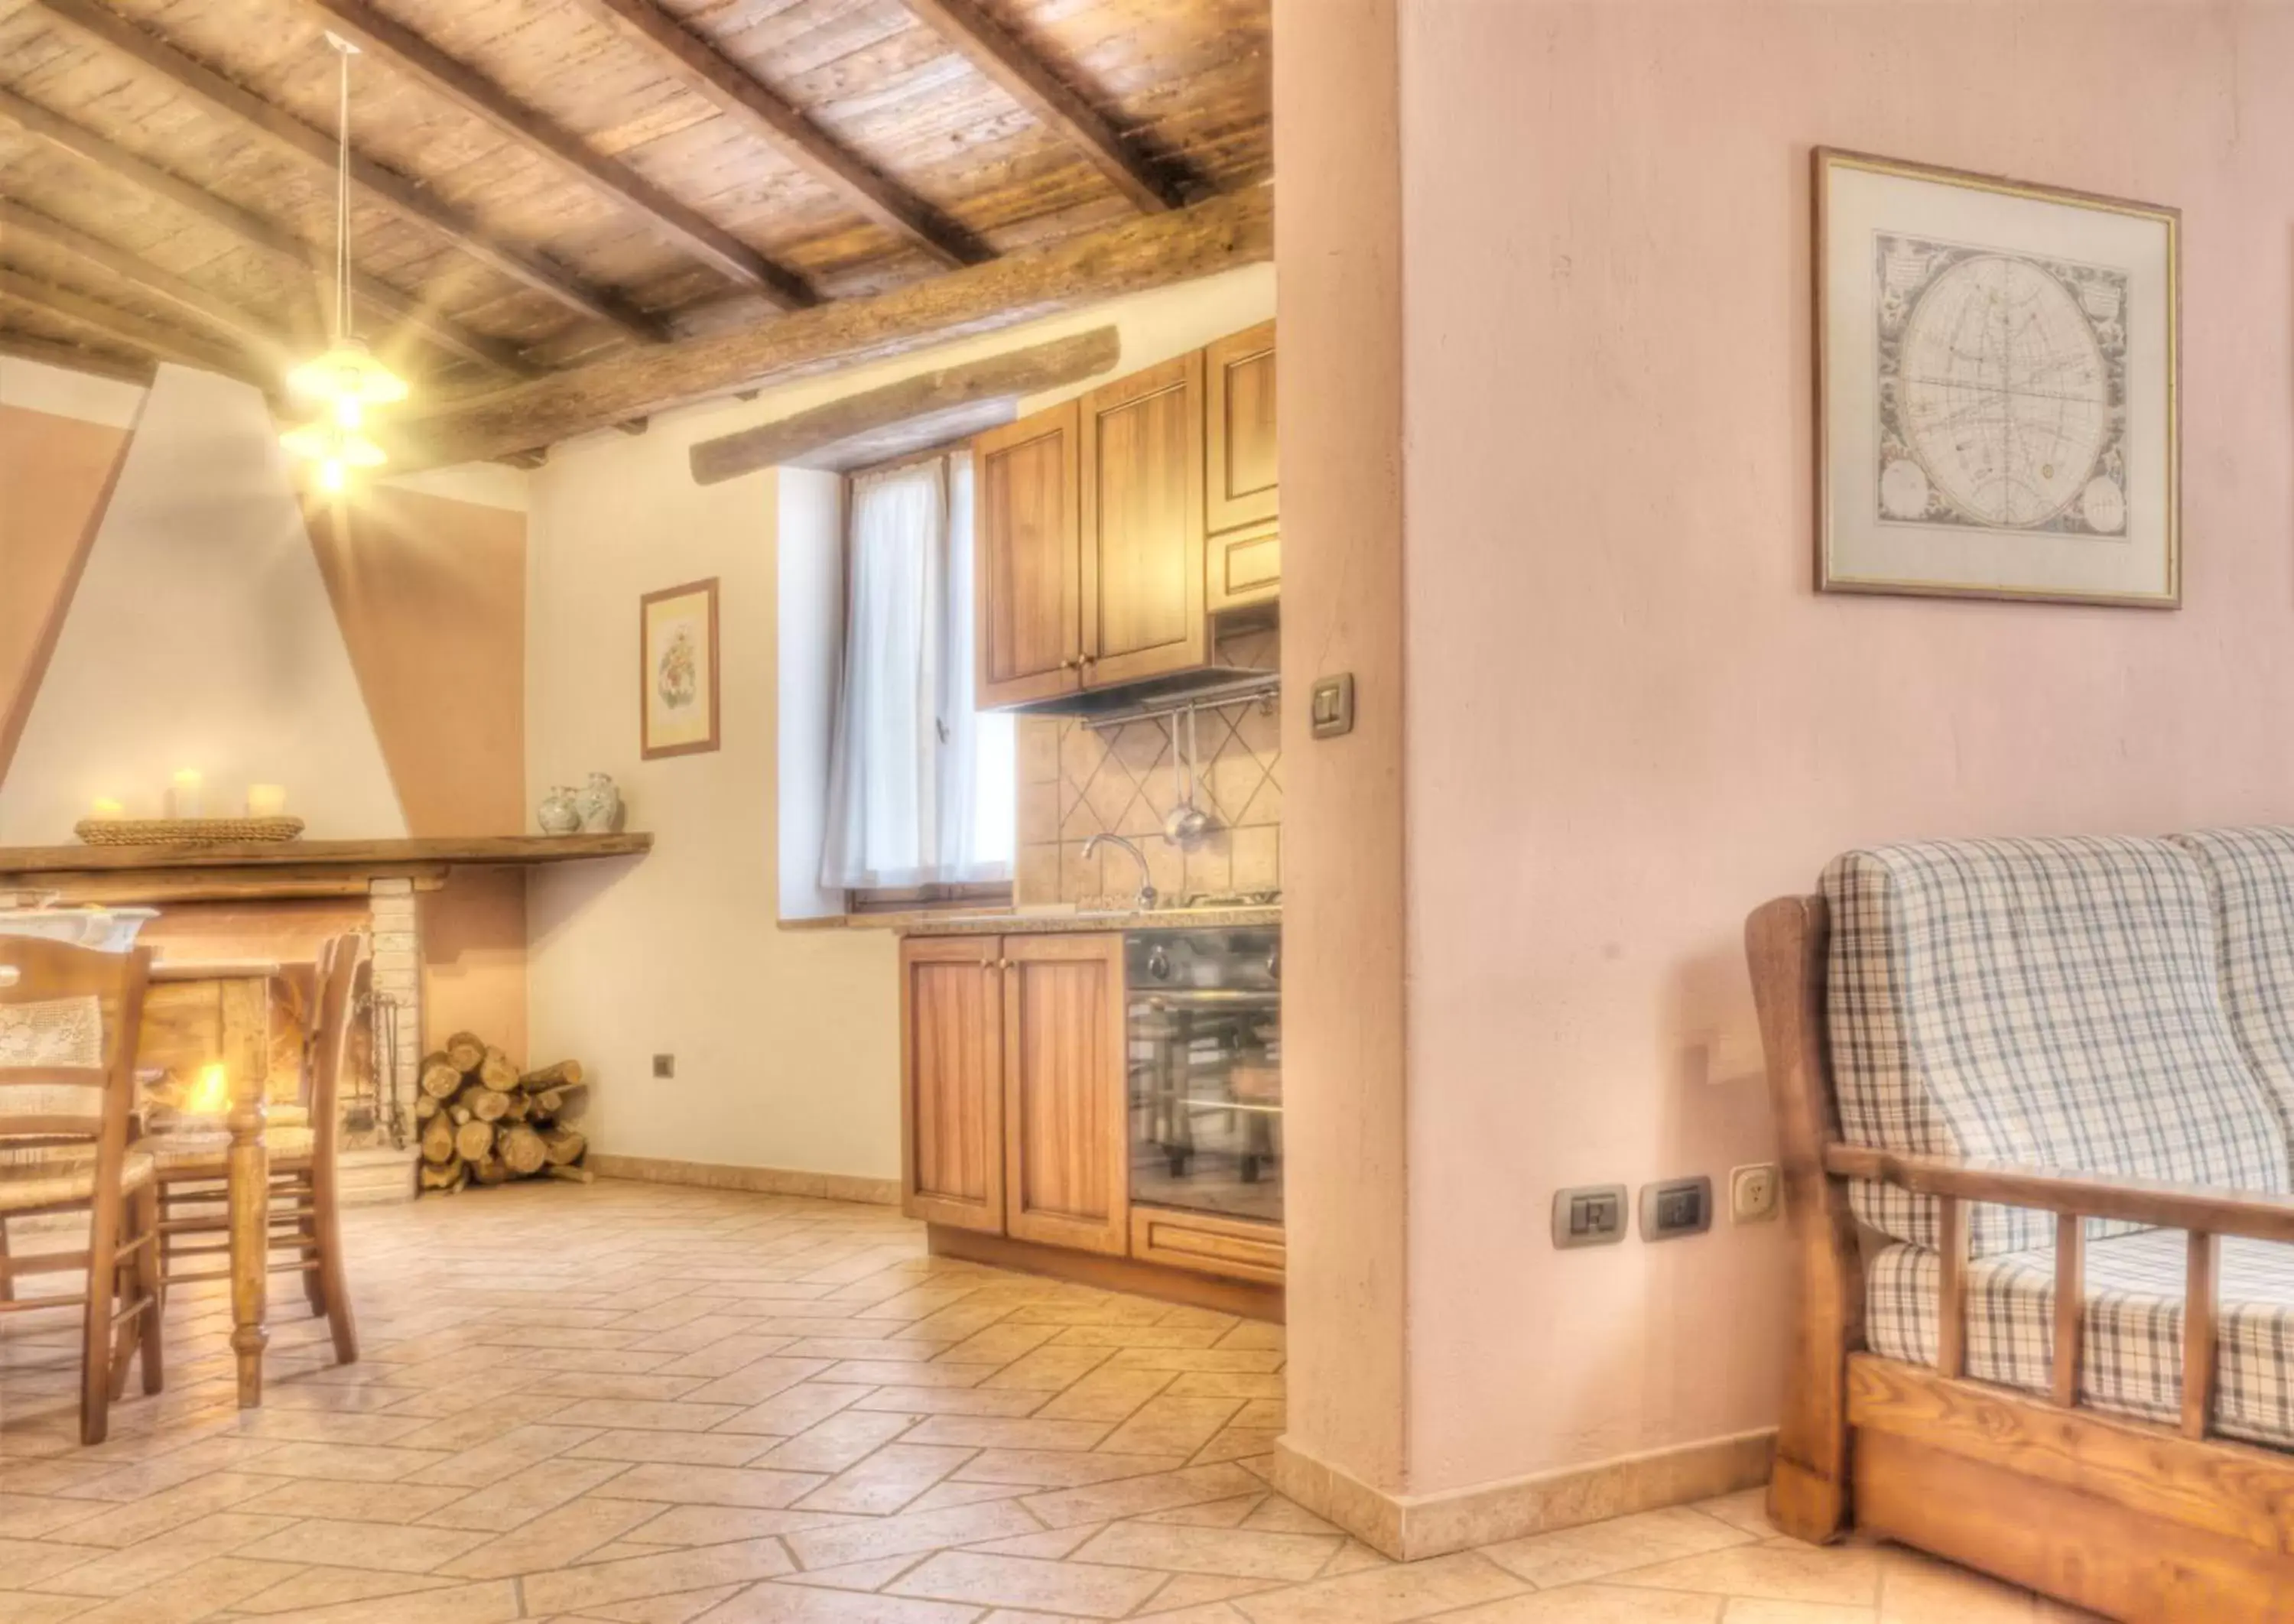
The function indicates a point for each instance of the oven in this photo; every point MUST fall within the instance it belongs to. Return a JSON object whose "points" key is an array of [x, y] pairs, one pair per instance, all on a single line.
{"points": [[1203, 1025]]}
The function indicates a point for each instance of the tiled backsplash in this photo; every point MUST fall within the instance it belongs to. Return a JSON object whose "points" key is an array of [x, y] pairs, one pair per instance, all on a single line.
{"points": [[1075, 782]]}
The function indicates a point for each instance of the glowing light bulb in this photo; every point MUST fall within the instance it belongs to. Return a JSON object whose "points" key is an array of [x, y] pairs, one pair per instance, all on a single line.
{"points": [[330, 475], [349, 413]]}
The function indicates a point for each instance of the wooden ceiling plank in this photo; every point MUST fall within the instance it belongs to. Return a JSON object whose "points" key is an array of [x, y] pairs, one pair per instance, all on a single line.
{"points": [[73, 358], [259, 233], [1152, 252], [741, 97], [1006, 59], [1015, 373], [405, 197], [137, 333], [246, 331], [407, 52]]}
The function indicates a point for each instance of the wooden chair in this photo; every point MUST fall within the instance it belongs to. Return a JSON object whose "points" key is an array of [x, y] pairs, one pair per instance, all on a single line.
{"points": [[192, 1166], [2133, 1519], [70, 1021]]}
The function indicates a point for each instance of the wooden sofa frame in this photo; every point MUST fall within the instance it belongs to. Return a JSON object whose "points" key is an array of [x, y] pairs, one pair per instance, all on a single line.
{"points": [[2134, 1520]]}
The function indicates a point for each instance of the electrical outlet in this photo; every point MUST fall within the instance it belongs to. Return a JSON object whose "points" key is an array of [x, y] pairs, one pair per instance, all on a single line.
{"points": [[1755, 1193], [664, 1065], [1590, 1216], [1676, 1207]]}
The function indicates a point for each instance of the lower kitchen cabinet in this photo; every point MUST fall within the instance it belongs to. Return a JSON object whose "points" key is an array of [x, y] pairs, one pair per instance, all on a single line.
{"points": [[952, 1077], [1016, 1119], [1066, 1178]]}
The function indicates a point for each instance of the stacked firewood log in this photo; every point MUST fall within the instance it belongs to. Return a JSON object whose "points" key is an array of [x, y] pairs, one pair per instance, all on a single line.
{"points": [[485, 1122]]}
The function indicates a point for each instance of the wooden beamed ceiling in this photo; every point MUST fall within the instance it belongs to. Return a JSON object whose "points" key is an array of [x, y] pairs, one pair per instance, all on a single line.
{"points": [[561, 205]]}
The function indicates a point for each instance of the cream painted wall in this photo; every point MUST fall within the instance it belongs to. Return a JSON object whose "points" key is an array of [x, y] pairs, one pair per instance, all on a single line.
{"points": [[1630, 718], [201, 635], [786, 1041]]}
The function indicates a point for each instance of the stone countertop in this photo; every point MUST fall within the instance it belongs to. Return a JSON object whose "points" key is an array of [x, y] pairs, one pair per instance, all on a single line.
{"points": [[1010, 923]]}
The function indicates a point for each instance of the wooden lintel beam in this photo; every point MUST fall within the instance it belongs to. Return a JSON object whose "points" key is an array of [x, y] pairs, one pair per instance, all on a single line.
{"points": [[124, 326], [72, 357], [268, 345], [408, 198], [1006, 59], [734, 93], [260, 234], [1155, 251], [1016, 372], [407, 52]]}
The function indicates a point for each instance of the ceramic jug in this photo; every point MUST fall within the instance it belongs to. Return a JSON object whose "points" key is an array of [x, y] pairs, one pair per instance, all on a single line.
{"points": [[557, 812]]}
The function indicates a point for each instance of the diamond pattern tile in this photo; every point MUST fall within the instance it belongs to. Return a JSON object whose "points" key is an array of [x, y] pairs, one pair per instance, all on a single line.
{"points": [[656, 1405]]}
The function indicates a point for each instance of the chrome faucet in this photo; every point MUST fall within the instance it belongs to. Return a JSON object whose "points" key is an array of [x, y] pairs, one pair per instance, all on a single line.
{"points": [[1145, 900]]}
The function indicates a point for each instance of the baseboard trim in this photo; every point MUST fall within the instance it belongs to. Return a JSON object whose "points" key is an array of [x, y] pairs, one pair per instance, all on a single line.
{"points": [[756, 1181], [1408, 1528]]}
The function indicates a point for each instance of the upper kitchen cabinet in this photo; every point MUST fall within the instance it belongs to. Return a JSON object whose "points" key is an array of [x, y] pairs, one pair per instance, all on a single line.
{"points": [[1142, 493], [1029, 568], [1238, 486], [1111, 529]]}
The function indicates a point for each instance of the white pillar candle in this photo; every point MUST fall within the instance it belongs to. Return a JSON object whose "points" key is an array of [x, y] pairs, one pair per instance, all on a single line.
{"points": [[183, 794], [266, 800]]}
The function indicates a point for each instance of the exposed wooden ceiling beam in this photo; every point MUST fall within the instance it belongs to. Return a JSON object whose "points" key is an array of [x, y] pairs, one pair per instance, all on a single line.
{"points": [[270, 348], [1004, 57], [122, 327], [258, 233], [731, 89], [406, 198], [71, 357], [1212, 236], [409, 53], [1016, 372]]}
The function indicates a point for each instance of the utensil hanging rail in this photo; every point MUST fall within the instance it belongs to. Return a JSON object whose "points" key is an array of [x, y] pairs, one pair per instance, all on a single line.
{"points": [[1257, 687]]}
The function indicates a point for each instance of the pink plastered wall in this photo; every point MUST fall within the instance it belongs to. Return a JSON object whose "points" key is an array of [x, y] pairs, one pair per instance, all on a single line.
{"points": [[1629, 718]]}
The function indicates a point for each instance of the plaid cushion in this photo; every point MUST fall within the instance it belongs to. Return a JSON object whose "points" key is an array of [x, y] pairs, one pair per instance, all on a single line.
{"points": [[2132, 1356], [2044, 1003], [2252, 871]]}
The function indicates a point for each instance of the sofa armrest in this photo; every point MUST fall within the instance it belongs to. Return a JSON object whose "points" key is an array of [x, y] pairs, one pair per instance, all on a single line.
{"points": [[2200, 1208]]}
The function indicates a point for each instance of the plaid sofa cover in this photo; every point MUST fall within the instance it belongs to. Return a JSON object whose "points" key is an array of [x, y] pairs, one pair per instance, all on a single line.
{"points": [[2043, 1002], [2132, 1356], [2252, 872]]}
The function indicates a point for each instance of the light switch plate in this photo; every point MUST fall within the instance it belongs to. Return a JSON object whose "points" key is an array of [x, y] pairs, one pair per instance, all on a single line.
{"points": [[1590, 1216], [1332, 709], [664, 1065], [1676, 1207]]}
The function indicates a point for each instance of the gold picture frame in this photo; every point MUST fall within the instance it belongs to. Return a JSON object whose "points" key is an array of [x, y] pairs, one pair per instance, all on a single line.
{"points": [[678, 696], [1997, 388]]}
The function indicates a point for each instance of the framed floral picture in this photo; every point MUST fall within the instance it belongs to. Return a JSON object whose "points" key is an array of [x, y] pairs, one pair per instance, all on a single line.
{"points": [[677, 669], [1998, 404]]}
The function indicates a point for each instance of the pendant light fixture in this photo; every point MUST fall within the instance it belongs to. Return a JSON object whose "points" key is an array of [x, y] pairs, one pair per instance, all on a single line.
{"points": [[347, 379]]}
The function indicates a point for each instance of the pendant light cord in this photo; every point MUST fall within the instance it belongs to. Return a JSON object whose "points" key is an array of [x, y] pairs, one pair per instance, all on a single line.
{"points": [[343, 50]]}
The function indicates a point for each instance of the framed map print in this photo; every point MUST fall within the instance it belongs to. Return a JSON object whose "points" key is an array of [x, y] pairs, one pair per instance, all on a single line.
{"points": [[1997, 388], [677, 669]]}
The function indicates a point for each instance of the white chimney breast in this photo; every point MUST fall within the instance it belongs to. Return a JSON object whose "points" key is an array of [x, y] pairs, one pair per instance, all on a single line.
{"points": [[202, 637]]}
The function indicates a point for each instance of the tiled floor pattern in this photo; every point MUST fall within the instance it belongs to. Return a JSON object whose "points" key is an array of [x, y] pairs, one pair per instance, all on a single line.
{"points": [[645, 1405]]}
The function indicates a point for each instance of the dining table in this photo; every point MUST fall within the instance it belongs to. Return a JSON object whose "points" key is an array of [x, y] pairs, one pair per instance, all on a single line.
{"points": [[226, 1004]]}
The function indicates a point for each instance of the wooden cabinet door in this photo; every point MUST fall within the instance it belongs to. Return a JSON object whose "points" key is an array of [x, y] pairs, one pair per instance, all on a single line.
{"points": [[1028, 586], [1142, 491], [1066, 1157], [1239, 479], [952, 1081]]}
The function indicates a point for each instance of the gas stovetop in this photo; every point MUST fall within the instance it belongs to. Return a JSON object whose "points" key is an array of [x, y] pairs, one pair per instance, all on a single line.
{"points": [[1230, 899]]}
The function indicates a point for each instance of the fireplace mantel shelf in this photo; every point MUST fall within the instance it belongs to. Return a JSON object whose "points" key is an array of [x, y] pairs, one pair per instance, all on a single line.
{"points": [[257, 869]]}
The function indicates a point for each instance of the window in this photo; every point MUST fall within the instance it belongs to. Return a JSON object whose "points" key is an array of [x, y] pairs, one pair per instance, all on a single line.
{"points": [[921, 787]]}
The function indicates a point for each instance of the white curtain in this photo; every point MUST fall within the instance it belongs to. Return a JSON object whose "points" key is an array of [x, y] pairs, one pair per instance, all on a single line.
{"points": [[921, 787]]}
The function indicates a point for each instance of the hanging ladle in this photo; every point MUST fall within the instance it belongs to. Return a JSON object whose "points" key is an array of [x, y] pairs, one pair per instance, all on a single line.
{"points": [[1186, 824]]}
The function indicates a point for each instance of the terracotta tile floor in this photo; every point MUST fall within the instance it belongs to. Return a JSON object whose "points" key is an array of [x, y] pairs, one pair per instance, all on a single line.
{"points": [[651, 1405]]}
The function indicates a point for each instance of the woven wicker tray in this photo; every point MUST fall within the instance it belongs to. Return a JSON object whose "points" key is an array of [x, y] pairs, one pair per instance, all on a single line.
{"points": [[185, 830]]}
